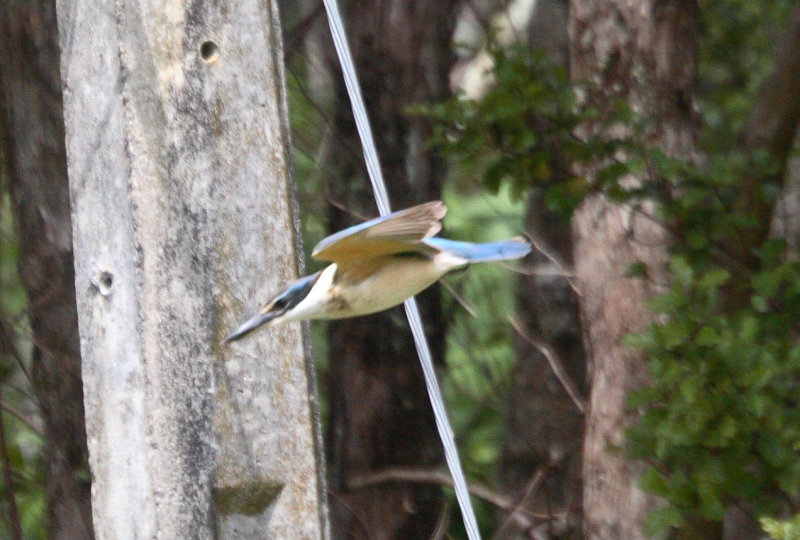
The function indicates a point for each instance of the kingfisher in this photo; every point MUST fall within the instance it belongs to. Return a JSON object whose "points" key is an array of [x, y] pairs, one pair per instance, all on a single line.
{"points": [[377, 265]]}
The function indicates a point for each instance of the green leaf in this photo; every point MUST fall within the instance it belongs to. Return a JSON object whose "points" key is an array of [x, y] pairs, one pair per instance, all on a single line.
{"points": [[637, 269], [707, 337], [713, 279], [681, 270], [668, 302], [639, 341], [664, 518], [654, 482], [759, 304], [673, 333]]}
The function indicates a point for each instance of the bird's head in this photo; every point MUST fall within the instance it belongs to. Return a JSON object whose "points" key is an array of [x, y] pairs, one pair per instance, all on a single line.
{"points": [[278, 309]]}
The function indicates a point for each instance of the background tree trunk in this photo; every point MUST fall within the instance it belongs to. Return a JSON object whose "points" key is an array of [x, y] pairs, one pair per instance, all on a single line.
{"points": [[643, 53], [543, 435], [183, 216], [380, 416], [33, 131]]}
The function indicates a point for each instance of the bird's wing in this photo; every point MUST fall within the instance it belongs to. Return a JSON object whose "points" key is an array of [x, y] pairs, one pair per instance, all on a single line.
{"points": [[398, 232]]}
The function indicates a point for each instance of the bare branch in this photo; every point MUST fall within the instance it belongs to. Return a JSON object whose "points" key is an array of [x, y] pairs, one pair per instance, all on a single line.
{"points": [[7, 345], [537, 245], [458, 298], [21, 417], [336, 204], [555, 365], [530, 490], [438, 477], [543, 269], [442, 523]]}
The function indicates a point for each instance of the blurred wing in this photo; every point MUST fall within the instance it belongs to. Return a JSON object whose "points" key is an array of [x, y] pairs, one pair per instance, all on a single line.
{"points": [[396, 233]]}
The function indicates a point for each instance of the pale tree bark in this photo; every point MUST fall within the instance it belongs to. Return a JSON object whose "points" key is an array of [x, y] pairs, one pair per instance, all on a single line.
{"points": [[33, 132], [380, 416], [643, 53], [183, 223]]}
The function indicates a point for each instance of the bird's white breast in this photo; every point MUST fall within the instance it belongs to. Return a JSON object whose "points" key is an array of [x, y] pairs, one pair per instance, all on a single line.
{"points": [[314, 305], [390, 284]]}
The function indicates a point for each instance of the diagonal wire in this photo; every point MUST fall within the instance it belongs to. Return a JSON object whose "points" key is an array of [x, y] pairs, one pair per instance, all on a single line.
{"points": [[357, 103], [381, 197]]}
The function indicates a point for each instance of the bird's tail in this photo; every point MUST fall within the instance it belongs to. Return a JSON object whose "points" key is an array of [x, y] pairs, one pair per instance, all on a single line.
{"points": [[505, 250]]}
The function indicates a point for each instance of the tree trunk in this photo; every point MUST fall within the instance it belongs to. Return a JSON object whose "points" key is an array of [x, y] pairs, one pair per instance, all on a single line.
{"points": [[33, 129], [643, 53], [543, 434], [183, 220], [380, 416], [772, 126]]}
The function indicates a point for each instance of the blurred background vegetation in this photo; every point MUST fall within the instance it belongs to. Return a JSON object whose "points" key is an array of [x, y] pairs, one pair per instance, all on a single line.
{"points": [[21, 421], [720, 422]]}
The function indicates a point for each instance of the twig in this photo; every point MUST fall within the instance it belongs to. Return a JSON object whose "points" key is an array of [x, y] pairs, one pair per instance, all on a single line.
{"points": [[343, 208], [530, 489], [544, 269], [27, 393], [555, 260], [21, 417], [555, 365], [442, 524], [458, 298], [340, 500], [438, 477], [7, 345]]}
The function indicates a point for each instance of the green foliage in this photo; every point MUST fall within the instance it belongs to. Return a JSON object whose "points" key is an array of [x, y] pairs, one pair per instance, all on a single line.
{"points": [[521, 133], [24, 446], [782, 530], [24, 452], [720, 421], [479, 357], [738, 40]]}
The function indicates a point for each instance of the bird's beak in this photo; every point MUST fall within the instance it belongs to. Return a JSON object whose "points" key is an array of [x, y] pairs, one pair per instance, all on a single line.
{"points": [[275, 310], [253, 324]]}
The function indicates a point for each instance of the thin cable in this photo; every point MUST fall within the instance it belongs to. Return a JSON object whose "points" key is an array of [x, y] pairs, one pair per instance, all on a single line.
{"points": [[412, 312], [357, 104], [442, 422]]}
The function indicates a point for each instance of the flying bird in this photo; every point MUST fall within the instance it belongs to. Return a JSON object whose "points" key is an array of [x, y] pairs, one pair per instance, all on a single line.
{"points": [[377, 265]]}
